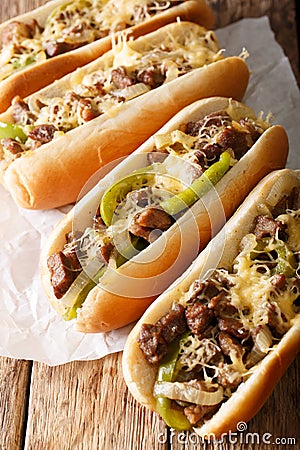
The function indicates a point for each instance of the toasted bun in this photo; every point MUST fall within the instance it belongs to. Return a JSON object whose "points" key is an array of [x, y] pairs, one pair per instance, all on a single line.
{"points": [[252, 394], [144, 277], [34, 77], [54, 175]]}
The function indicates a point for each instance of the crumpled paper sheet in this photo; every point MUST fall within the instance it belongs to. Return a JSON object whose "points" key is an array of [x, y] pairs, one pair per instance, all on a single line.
{"points": [[29, 328]]}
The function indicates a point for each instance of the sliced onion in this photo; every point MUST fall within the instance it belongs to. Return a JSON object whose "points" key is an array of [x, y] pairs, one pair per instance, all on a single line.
{"points": [[264, 340], [85, 278], [167, 139], [133, 91], [277, 190], [263, 343], [187, 393]]}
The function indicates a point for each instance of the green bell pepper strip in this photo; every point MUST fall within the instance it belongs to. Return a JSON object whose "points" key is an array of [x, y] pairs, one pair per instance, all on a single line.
{"points": [[118, 191], [137, 245], [13, 131], [141, 177], [287, 263], [56, 12], [85, 284], [199, 187], [174, 418]]}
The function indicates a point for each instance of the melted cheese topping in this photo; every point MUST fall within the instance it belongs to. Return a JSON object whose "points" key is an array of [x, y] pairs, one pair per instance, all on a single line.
{"points": [[292, 221], [253, 292], [186, 52], [87, 20], [79, 22]]}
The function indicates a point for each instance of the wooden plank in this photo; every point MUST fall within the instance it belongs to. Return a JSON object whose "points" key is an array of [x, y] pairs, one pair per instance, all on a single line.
{"points": [[86, 405], [13, 8], [14, 383]]}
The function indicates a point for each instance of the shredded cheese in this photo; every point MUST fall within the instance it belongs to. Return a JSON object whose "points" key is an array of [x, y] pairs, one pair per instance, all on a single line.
{"points": [[102, 94], [76, 23]]}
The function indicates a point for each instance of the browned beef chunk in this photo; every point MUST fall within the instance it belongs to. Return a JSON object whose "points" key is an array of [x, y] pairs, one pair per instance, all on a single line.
{"points": [[15, 32], [234, 139], [98, 223], [43, 133], [198, 317], [211, 352], [203, 290], [278, 280], [281, 206], [152, 217], [265, 226], [275, 321], [20, 111], [215, 119], [86, 110], [207, 154], [149, 219], [222, 279], [173, 324], [196, 413], [291, 201], [294, 199], [71, 254], [121, 79], [73, 236], [54, 48], [210, 151], [234, 327], [152, 344], [62, 274], [151, 76], [227, 376], [104, 252], [192, 128], [12, 146], [229, 344], [35, 27], [254, 132], [221, 306], [154, 339]]}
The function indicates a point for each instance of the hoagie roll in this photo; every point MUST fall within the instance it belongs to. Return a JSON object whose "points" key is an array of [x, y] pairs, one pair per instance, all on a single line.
{"points": [[54, 39], [136, 231], [53, 141], [209, 351]]}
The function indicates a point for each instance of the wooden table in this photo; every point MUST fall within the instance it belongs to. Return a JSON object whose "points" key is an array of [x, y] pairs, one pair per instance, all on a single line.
{"points": [[85, 405]]}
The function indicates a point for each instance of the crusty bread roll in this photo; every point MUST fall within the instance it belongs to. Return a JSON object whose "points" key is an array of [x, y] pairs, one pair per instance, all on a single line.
{"points": [[124, 293], [221, 251], [54, 174], [39, 74]]}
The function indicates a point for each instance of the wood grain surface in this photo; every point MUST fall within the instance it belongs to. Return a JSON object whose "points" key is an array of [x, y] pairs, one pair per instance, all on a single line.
{"points": [[85, 405]]}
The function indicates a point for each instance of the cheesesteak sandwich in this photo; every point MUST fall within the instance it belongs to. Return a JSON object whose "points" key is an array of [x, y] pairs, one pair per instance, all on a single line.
{"points": [[209, 351], [56, 139], [136, 231], [45, 44]]}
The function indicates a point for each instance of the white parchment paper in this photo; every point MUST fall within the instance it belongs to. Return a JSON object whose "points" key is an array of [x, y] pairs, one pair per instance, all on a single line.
{"points": [[29, 328]]}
